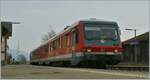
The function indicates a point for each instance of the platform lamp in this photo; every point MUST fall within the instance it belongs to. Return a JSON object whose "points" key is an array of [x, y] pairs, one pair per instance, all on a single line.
{"points": [[135, 50]]}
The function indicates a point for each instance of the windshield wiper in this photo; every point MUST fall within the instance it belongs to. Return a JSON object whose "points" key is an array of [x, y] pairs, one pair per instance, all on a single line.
{"points": [[109, 39]]}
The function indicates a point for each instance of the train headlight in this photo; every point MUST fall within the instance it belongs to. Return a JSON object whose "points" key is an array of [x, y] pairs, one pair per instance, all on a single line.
{"points": [[116, 50], [89, 50]]}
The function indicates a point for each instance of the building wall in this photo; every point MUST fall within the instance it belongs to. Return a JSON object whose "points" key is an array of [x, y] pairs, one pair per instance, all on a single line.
{"points": [[2, 58], [142, 53], [3, 48], [143, 57], [5, 56], [4, 37]]}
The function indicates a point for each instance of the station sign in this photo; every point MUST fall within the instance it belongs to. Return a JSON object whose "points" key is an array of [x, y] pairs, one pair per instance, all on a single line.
{"points": [[134, 42]]}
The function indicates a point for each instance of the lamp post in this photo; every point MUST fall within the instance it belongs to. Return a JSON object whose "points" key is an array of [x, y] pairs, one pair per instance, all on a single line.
{"points": [[135, 48]]}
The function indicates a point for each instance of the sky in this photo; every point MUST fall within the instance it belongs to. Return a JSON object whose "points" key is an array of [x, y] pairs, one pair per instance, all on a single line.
{"points": [[36, 16]]}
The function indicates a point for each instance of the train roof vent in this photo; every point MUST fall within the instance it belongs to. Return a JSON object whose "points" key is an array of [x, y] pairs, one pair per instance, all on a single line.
{"points": [[66, 27], [92, 19]]}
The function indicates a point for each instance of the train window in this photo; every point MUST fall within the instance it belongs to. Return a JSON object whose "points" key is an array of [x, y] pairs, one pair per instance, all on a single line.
{"points": [[77, 35], [67, 40], [62, 42], [54, 45], [59, 42], [73, 38], [46, 48], [50, 47]]}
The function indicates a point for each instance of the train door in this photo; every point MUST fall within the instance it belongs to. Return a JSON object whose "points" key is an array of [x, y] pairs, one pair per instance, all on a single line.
{"points": [[73, 45], [73, 41]]}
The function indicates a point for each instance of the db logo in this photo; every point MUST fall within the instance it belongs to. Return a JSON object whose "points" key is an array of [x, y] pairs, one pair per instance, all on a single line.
{"points": [[102, 41]]}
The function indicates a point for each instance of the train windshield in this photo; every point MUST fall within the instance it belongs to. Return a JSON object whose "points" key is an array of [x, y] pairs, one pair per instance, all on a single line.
{"points": [[101, 32]]}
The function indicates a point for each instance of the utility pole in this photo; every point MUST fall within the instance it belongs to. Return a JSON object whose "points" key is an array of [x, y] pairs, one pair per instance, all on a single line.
{"points": [[135, 46]]}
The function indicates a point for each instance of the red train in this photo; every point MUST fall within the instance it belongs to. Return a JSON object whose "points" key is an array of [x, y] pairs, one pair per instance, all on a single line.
{"points": [[86, 41]]}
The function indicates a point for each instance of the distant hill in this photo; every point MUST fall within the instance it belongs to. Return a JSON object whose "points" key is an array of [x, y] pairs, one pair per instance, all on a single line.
{"points": [[14, 54]]}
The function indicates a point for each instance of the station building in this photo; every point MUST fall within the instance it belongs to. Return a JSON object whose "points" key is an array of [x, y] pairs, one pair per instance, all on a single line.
{"points": [[6, 32], [142, 50]]}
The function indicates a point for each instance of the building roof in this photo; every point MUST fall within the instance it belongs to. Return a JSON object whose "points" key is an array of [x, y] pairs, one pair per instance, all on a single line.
{"points": [[7, 26], [142, 37]]}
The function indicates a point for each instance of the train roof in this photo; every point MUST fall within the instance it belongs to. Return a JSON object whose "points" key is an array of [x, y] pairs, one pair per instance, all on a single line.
{"points": [[91, 20]]}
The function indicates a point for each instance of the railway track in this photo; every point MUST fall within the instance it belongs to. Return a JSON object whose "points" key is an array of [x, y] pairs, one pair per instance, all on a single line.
{"points": [[112, 67], [128, 67], [139, 71]]}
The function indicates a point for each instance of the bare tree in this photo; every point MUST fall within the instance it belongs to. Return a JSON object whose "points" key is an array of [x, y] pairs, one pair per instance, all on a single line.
{"points": [[48, 35]]}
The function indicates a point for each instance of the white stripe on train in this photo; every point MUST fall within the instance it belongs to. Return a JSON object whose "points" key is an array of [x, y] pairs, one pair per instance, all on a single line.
{"points": [[69, 56]]}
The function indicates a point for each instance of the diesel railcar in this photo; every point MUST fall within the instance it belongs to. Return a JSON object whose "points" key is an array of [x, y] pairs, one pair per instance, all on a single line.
{"points": [[86, 41]]}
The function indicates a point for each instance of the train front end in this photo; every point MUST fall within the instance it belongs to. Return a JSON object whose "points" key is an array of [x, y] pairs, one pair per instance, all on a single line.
{"points": [[101, 42]]}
